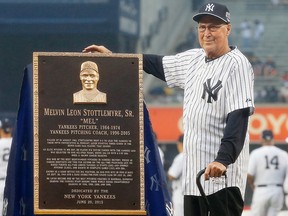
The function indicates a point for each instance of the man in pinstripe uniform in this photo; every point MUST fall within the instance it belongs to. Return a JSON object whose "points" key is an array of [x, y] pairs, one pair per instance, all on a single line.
{"points": [[218, 85], [267, 171]]}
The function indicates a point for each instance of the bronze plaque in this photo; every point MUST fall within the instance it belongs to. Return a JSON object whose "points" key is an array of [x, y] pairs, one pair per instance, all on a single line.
{"points": [[88, 134]]}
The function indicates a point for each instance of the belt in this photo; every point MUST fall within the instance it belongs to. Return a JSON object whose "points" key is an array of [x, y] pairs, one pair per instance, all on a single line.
{"points": [[264, 185]]}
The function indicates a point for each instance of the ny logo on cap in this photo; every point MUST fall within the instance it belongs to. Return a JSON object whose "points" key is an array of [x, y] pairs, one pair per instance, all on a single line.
{"points": [[209, 7]]}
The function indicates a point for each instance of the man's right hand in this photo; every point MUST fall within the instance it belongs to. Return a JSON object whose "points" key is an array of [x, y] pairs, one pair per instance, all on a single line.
{"points": [[96, 48], [214, 169]]}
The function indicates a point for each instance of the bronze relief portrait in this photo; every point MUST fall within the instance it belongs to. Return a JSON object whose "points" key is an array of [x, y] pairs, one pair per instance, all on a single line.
{"points": [[89, 77]]}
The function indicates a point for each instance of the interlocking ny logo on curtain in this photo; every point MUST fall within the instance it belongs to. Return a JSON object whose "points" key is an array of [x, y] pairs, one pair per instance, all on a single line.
{"points": [[212, 91]]}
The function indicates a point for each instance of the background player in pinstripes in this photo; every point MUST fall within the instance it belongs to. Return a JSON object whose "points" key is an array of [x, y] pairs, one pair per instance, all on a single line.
{"points": [[268, 168], [5, 145], [218, 85], [175, 175]]}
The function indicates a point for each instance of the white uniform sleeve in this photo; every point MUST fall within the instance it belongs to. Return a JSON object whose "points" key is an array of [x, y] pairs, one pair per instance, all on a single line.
{"points": [[252, 164], [176, 168], [240, 91], [176, 67]]}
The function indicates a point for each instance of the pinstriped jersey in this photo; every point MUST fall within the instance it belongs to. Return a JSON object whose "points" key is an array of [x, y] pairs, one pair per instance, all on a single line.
{"points": [[212, 89]]}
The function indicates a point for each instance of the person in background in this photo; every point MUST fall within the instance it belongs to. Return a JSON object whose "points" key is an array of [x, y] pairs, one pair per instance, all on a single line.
{"points": [[161, 153], [269, 67], [268, 168], [283, 92], [218, 83], [175, 175], [5, 145], [246, 35], [258, 32]]}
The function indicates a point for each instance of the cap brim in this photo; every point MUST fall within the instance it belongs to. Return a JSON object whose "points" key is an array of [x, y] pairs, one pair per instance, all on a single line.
{"points": [[197, 17]]}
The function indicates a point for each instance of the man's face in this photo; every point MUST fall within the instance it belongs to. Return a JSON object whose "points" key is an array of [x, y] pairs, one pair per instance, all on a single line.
{"points": [[89, 79], [213, 36]]}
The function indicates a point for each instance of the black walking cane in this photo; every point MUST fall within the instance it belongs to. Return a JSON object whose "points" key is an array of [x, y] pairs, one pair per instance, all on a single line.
{"points": [[201, 190]]}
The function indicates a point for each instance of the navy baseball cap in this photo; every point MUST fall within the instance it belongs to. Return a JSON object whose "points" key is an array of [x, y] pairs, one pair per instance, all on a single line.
{"points": [[180, 138], [213, 9], [267, 135]]}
